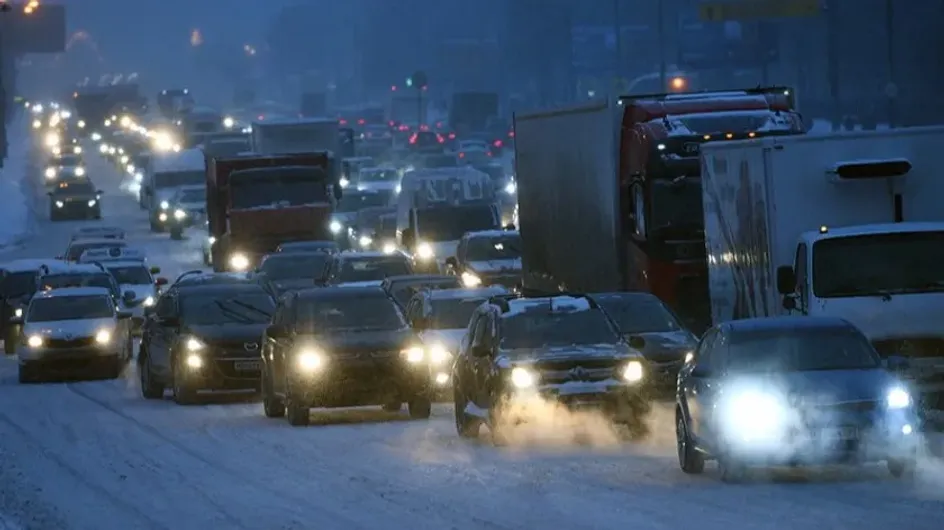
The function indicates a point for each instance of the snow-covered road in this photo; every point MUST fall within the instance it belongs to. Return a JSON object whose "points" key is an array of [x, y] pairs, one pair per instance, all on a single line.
{"points": [[95, 455]]}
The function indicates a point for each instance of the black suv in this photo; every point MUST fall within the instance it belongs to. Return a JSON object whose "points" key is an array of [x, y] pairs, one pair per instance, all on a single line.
{"points": [[342, 347], [17, 285], [203, 334], [78, 199], [561, 348], [290, 271], [366, 267]]}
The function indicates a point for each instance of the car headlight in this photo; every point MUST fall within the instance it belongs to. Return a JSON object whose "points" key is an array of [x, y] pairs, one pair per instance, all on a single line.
{"points": [[194, 361], [425, 251], [194, 344], [165, 205], [97, 137], [414, 354], [80, 171], [471, 280], [389, 247], [179, 214], [898, 398], [81, 124], [365, 241], [37, 124], [162, 217], [18, 312], [34, 341], [51, 172], [77, 150], [689, 357], [335, 227], [130, 169], [148, 302], [103, 337], [60, 204], [633, 372], [439, 354], [103, 148], [124, 159], [239, 262], [754, 416], [52, 139], [522, 378], [228, 122], [138, 176], [92, 202], [511, 188], [309, 361], [344, 182]]}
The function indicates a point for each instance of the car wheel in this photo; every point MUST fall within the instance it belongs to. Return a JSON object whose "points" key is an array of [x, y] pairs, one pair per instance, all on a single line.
{"points": [[184, 394], [27, 374], [902, 467], [420, 408], [690, 460], [393, 406], [150, 388], [297, 414], [271, 405], [466, 426]]}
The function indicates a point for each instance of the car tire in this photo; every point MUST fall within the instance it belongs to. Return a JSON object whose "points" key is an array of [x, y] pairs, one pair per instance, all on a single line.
{"points": [[150, 388], [272, 406], [420, 408], [184, 394], [27, 374], [297, 414], [690, 460], [393, 406], [903, 468], [466, 426]]}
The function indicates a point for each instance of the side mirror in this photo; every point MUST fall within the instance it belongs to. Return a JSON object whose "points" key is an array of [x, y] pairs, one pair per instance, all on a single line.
{"points": [[786, 279], [49, 193], [160, 281], [896, 363], [451, 261], [636, 342], [700, 371], [124, 315], [479, 351], [129, 296], [511, 227], [276, 332], [99, 192], [155, 270]]}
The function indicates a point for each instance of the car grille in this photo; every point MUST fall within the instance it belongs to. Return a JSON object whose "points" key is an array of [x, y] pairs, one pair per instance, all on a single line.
{"points": [[81, 342], [582, 370], [237, 347], [916, 347]]}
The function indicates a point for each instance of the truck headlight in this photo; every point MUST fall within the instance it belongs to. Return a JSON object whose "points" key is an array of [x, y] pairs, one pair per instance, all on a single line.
{"points": [[425, 251], [309, 361], [239, 262], [103, 337], [335, 227], [413, 355], [165, 205], [34, 341], [80, 171], [522, 378], [633, 372], [51, 172], [898, 398], [179, 214], [194, 344], [471, 280], [438, 354]]}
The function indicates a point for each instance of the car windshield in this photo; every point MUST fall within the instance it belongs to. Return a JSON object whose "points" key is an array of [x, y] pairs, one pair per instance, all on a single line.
{"points": [[639, 314], [226, 307], [131, 274], [538, 327], [59, 281], [453, 313], [260, 193], [354, 201], [76, 249], [800, 350], [191, 196], [382, 175], [17, 284], [173, 179], [295, 266], [70, 308], [372, 269], [481, 248], [75, 187], [904, 262], [449, 224], [362, 312], [69, 160]]}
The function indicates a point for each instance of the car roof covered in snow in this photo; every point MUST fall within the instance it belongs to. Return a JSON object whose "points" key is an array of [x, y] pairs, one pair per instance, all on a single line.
{"points": [[186, 160], [199, 277], [27, 265], [123, 263], [343, 292], [73, 291], [548, 304], [482, 293], [76, 268]]}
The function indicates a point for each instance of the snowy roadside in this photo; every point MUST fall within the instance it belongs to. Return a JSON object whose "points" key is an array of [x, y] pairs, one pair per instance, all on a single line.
{"points": [[18, 193]]}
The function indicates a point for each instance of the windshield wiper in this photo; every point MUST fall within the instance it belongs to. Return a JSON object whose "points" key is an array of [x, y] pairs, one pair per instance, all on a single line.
{"points": [[250, 307], [233, 314]]}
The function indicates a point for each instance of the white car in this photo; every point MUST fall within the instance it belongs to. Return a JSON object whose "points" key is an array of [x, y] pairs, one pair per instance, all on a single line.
{"points": [[130, 270], [63, 327]]}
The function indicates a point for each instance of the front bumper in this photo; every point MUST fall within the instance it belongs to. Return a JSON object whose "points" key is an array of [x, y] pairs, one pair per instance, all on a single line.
{"points": [[67, 352], [227, 372], [618, 402], [357, 382], [74, 209]]}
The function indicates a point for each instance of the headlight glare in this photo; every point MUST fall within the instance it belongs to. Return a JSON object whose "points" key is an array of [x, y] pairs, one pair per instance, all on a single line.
{"points": [[522, 378], [194, 361], [80, 171], [414, 354], [335, 227], [194, 344], [103, 337], [898, 398], [165, 205], [34, 341], [51, 172], [633, 372], [18, 312], [425, 251], [148, 302], [309, 360], [438, 354], [239, 262], [471, 280], [179, 214]]}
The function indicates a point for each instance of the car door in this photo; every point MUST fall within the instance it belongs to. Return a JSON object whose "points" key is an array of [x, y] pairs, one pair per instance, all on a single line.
{"points": [[697, 384], [281, 346], [483, 365], [163, 334]]}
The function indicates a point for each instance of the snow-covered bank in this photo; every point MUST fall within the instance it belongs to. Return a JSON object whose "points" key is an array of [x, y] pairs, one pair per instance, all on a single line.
{"points": [[17, 193]]}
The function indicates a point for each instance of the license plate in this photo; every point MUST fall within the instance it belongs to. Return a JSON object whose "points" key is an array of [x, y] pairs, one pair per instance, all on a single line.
{"points": [[247, 366]]}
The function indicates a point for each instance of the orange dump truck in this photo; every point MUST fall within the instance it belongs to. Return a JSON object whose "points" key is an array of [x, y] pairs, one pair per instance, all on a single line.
{"points": [[255, 203]]}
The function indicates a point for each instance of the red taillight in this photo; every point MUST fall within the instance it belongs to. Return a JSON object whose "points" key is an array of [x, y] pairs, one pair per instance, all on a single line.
{"points": [[391, 123], [342, 122], [440, 139], [424, 127], [260, 117], [413, 138], [511, 134], [439, 124], [404, 128], [489, 153], [461, 155], [497, 143], [452, 136], [361, 121], [393, 88]]}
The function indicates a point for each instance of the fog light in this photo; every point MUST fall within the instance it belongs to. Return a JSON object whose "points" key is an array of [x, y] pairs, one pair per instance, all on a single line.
{"points": [[442, 379], [413, 355]]}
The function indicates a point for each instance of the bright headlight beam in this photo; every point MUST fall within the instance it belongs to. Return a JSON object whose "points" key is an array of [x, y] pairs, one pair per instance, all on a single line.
{"points": [[309, 361], [521, 378], [193, 344], [898, 398], [633, 371]]}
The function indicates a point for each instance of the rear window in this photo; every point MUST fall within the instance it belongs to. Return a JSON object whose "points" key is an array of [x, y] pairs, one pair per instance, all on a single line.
{"points": [[425, 139]]}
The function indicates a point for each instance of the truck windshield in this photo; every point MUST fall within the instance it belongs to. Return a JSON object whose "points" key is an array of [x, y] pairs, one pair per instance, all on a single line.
{"points": [[879, 264], [178, 178], [450, 223], [676, 203], [732, 121], [257, 193]]}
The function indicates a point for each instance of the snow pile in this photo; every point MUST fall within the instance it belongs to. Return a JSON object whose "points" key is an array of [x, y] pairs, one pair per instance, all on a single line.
{"points": [[14, 188]]}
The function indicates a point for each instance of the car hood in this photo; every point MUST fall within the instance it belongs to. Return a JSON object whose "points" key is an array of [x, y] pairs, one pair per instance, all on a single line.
{"points": [[496, 266], [450, 338], [826, 387], [535, 356], [228, 332], [665, 346], [65, 329], [364, 340]]}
